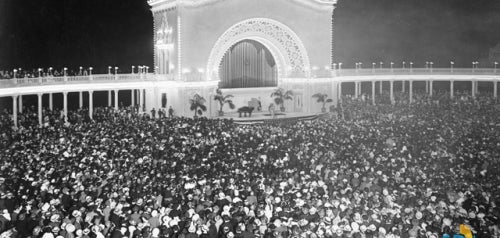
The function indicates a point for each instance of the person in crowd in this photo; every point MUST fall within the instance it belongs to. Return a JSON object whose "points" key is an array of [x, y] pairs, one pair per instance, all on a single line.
{"points": [[170, 112], [429, 169]]}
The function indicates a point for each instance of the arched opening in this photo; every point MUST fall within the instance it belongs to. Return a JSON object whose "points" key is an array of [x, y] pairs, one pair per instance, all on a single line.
{"points": [[248, 64]]}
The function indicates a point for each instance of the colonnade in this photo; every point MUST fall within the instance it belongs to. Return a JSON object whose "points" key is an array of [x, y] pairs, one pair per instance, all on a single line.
{"points": [[429, 88], [17, 103]]}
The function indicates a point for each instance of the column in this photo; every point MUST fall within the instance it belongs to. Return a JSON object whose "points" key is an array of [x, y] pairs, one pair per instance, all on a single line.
{"points": [[411, 91], [359, 88], [20, 103], [392, 91], [40, 116], [80, 100], [132, 97], [403, 86], [65, 106], [430, 87], [373, 92], [356, 89], [426, 86], [91, 104], [51, 102], [137, 94], [109, 98], [451, 89], [476, 86], [116, 99], [141, 100], [381, 87], [495, 89], [339, 91], [14, 109], [473, 90]]}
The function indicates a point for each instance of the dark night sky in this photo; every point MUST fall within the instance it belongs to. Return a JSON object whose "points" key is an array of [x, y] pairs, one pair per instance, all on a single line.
{"points": [[98, 33]]}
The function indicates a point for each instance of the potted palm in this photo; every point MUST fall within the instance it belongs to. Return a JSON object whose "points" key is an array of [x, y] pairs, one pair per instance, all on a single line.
{"points": [[197, 105], [280, 95], [223, 99], [322, 98]]}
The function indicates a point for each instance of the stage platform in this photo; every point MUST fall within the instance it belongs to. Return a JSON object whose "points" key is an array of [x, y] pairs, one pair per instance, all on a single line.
{"points": [[265, 117]]}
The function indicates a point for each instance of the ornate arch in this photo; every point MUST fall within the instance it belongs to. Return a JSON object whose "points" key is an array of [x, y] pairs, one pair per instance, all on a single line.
{"points": [[285, 46]]}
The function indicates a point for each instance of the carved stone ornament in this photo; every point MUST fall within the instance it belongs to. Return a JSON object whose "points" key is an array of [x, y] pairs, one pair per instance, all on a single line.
{"points": [[284, 45]]}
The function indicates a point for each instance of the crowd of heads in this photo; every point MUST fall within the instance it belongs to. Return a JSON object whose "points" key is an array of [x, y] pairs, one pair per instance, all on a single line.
{"points": [[60, 72], [427, 169], [36, 73]]}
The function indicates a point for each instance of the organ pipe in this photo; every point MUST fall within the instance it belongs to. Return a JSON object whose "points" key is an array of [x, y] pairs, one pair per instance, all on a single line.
{"points": [[248, 64]]}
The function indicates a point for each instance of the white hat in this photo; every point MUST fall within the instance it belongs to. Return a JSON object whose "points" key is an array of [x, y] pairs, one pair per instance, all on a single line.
{"points": [[423, 225], [418, 215], [48, 235], [154, 213], [447, 221], [312, 210], [70, 228], [155, 231], [172, 223], [355, 226], [45, 207]]}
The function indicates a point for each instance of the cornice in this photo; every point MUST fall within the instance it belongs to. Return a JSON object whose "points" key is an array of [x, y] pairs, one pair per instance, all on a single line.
{"points": [[158, 5]]}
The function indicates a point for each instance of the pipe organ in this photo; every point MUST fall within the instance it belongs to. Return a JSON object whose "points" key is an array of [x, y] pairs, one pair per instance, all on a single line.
{"points": [[248, 64]]}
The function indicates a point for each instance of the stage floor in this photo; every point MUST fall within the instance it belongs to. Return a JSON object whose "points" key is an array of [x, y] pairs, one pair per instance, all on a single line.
{"points": [[265, 116]]}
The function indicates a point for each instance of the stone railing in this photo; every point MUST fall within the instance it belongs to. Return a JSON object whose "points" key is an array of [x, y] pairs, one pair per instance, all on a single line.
{"points": [[97, 78], [412, 71], [103, 78]]}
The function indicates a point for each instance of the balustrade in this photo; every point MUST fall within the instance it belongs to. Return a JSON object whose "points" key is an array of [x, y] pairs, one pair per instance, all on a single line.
{"points": [[323, 74], [97, 78]]}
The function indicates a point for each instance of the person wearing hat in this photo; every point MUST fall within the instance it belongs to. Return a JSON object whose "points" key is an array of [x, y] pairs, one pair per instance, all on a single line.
{"points": [[118, 232]]}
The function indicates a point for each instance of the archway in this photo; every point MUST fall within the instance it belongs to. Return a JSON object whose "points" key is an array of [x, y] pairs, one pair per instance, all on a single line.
{"points": [[284, 45], [248, 64]]}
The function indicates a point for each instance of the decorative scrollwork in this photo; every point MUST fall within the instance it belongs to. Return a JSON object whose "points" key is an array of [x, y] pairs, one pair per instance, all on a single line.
{"points": [[285, 46]]}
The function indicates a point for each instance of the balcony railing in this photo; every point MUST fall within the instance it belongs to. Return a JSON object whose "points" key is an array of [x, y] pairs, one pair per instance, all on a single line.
{"points": [[102, 78], [98, 78], [412, 71]]}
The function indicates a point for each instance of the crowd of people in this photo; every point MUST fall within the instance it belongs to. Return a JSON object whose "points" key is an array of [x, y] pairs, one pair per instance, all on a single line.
{"points": [[49, 72], [35, 73], [428, 169]]}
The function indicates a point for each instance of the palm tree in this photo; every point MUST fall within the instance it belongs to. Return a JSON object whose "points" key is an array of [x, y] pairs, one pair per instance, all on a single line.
{"points": [[197, 105], [223, 99], [322, 98], [280, 95]]}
